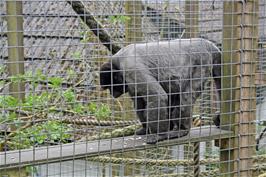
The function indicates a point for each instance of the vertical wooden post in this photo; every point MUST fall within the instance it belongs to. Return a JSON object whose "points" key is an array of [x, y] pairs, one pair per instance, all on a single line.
{"points": [[191, 31], [15, 45], [240, 37], [133, 25], [133, 10], [191, 19], [14, 172]]}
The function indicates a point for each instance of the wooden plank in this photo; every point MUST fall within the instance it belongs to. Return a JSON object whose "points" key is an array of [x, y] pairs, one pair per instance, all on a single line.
{"points": [[70, 151]]}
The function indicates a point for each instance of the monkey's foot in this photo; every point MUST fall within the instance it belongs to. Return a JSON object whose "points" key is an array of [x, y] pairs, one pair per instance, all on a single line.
{"points": [[142, 131], [153, 138], [216, 119]]}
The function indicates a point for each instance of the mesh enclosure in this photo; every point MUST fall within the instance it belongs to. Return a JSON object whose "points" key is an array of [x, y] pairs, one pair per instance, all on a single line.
{"points": [[132, 88]]}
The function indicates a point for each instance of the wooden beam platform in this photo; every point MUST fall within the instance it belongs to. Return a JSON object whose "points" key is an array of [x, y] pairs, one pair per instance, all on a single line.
{"points": [[71, 151]]}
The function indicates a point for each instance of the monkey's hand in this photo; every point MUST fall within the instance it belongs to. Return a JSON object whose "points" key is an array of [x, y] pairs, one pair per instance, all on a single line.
{"points": [[153, 138], [142, 131]]}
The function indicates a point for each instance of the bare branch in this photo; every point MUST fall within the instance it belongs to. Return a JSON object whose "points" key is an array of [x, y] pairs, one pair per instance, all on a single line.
{"points": [[94, 25]]}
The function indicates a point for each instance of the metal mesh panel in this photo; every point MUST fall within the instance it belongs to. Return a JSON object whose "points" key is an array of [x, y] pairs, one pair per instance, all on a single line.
{"points": [[132, 88]]}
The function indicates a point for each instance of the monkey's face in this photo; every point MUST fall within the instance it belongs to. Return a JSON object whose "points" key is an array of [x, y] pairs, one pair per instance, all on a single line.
{"points": [[112, 80]]}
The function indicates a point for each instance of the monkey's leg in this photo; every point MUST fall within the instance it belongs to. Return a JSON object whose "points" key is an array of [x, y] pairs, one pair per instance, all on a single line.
{"points": [[156, 101], [140, 106], [182, 125]]}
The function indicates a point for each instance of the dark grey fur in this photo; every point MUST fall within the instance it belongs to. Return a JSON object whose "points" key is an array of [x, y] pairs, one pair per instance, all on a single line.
{"points": [[164, 80]]}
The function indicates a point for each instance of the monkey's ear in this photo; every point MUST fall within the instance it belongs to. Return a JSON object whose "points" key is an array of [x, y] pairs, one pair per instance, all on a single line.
{"points": [[106, 67], [105, 76]]}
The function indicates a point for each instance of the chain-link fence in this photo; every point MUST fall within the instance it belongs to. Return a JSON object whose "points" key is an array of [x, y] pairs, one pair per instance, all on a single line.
{"points": [[132, 88]]}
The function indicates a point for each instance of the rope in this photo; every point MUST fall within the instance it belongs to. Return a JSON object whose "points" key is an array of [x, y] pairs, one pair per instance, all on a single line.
{"points": [[261, 167], [151, 162], [196, 159], [262, 175], [170, 162], [86, 121], [259, 158], [93, 121], [202, 174], [119, 132]]}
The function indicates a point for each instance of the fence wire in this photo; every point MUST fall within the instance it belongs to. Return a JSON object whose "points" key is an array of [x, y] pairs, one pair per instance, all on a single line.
{"points": [[132, 88]]}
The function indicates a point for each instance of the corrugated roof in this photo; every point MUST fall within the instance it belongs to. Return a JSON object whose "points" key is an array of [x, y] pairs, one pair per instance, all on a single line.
{"points": [[53, 31]]}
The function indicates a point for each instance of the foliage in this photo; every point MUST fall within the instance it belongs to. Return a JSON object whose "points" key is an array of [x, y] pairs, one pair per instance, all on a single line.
{"points": [[36, 101], [69, 96], [119, 18], [71, 73], [86, 35], [18, 78], [2, 69], [8, 118], [48, 132], [76, 55], [7, 101], [55, 100], [102, 111], [55, 82], [31, 170]]}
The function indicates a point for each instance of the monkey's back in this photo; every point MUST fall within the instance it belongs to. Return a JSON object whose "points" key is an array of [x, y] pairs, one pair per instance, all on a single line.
{"points": [[168, 60]]}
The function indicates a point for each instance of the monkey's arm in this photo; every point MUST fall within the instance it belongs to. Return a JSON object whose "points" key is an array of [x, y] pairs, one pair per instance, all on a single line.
{"points": [[140, 105], [141, 83]]}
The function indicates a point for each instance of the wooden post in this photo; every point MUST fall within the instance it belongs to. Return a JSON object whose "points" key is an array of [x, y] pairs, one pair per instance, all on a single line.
{"points": [[191, 19], [15, 172], [240, 37], [133, 10], [15, 46], [191, 31], [133, 30]]}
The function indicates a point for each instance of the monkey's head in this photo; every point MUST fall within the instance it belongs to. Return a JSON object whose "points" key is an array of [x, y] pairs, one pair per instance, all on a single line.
{"points": [[112, 78]]}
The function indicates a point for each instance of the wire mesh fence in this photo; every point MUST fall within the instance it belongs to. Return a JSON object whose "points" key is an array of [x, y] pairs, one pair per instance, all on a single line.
{"points": [[132, 88]]}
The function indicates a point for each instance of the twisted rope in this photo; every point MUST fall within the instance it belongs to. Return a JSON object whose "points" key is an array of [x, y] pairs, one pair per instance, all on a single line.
{"points": [[262, 175], [196, 159], [119, 132], [202, 174], [93, 121], [90, 121], [150, 162], [171, 163]]}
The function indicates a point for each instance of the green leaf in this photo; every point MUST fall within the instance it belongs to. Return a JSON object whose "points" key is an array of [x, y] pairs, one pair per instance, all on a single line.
{"points": [[78, 108], [40, 75], [103, 112], [36, 100], [8, 101], [71, 73], [40, 133], [76, 55], [8, 118], [2, 69], [55, 81], [18, 78], [119, 18], [69, 96], [92, 108]]}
